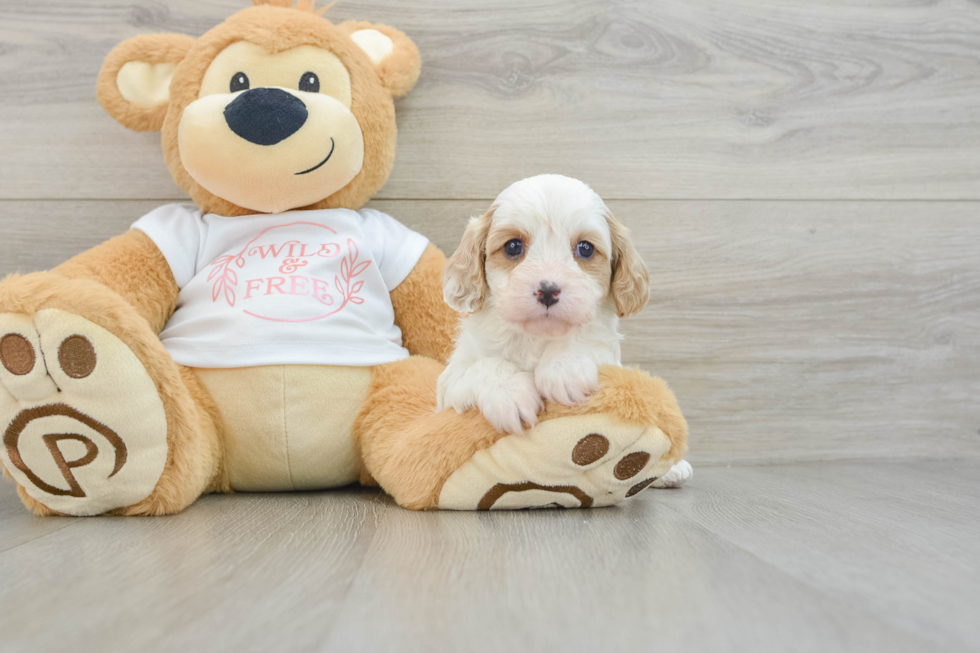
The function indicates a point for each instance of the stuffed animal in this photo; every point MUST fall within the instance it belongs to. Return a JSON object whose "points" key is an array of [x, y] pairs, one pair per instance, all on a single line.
{"points": [[274, 335]]}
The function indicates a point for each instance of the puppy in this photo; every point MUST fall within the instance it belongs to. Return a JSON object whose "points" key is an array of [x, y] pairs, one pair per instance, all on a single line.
{"points": [[545, 274]]}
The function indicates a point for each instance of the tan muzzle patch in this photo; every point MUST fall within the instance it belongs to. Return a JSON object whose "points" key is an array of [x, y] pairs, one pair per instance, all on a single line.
{"points": [[318, 159]]}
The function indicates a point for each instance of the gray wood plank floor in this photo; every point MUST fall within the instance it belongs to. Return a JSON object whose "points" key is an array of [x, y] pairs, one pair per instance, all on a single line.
{"points": [[803, 557]]}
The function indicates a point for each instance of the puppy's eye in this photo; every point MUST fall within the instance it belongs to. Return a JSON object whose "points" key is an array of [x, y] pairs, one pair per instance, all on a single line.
{"points": [[514, 248], [310, 83], [239, 82], [585, 249]]}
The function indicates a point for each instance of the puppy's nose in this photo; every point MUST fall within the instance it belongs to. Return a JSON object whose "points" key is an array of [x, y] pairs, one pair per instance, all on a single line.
{"points": [[548, 293], [266, 116]]}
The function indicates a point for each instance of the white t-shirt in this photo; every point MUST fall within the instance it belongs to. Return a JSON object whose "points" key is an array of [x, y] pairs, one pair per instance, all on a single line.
{"points": [[302, 287]]}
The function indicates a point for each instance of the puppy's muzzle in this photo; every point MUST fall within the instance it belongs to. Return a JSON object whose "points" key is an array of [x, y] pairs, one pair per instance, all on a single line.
{"points": [[266, 116], [548, 293]]}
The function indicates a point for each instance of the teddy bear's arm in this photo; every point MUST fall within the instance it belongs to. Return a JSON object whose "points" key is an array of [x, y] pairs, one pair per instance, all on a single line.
{"points": [[428, 325], [132, 266]]}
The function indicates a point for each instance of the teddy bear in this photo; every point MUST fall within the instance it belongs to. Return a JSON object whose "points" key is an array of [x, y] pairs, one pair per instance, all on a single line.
{"points": [[275, 335]]}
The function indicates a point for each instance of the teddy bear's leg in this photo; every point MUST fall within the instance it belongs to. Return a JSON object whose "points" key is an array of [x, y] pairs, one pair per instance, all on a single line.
{"points": [[95, 415], [620, 441]]}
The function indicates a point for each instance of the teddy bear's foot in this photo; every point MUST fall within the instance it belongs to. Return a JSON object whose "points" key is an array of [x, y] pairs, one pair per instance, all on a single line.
{"points": [[579, 461], [84, 429]]}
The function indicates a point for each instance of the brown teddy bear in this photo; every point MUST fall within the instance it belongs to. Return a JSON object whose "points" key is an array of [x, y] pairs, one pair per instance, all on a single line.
{"points": [[274, 335]]}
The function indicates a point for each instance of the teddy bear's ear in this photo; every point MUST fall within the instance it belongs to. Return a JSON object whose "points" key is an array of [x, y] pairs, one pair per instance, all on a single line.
{"points": [[134, 83], [395, 57]]}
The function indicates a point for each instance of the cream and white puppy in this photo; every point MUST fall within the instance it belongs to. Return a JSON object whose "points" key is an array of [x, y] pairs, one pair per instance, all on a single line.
{"points": [[545, 274]]}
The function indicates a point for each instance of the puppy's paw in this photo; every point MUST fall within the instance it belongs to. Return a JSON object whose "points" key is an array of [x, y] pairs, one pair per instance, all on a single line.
{"points": [[678, 475], [512, 403], [568, 380]]}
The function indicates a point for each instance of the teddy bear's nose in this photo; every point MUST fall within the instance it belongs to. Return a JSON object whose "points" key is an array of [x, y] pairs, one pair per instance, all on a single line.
{"points": [[266, 116]]}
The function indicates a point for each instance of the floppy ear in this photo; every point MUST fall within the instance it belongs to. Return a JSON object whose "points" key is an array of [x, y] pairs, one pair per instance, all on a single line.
{"points": [[465, 281], [134, 83], [395, 57], [630, 278]]}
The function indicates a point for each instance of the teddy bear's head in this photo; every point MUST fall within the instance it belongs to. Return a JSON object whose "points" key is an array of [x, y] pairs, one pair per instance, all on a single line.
{"points": [[274, 109]]}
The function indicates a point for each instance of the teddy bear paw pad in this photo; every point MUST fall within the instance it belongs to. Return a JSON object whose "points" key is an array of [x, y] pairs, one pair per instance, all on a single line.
{"points": [[84, 429], [570, 462]]}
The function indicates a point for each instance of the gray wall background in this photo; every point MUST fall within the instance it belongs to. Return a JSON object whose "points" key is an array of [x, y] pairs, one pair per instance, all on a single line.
{"points": [[802, 178]]}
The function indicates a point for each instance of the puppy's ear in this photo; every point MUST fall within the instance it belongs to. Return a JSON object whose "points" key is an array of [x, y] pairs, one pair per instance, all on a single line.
{"points": [[630, 277], [465, 283], [134, 83]]}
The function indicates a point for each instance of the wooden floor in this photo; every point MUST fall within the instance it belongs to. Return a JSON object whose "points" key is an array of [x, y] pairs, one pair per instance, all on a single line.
{"points": [[802, 177], [805, 557]]}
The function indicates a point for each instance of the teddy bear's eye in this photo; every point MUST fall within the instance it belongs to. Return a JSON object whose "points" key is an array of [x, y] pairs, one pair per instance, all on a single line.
{"points": [[310, 83], [514, 248], [239, 82]]}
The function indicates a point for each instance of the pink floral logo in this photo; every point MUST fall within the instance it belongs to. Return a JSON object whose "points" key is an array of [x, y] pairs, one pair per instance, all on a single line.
{"points": [[290, 257], [227, 278]]}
